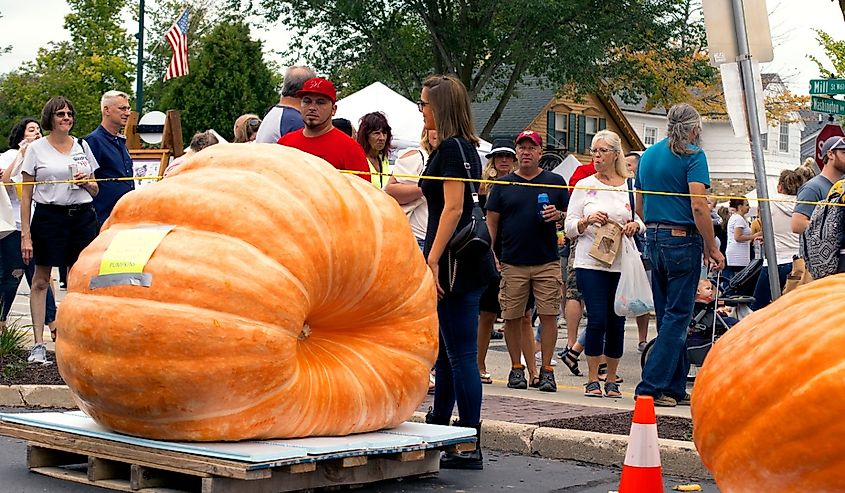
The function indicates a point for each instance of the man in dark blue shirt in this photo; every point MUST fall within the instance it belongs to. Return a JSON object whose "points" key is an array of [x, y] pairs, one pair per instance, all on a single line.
{"points": [[529, 261], [109, 148]]}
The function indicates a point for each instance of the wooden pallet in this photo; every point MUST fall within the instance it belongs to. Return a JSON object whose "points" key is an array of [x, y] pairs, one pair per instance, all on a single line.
{"points": [[127, 467]]}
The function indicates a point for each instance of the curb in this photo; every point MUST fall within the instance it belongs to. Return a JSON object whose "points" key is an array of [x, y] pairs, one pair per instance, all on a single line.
{"points": [[678, 458], [36, 396]]}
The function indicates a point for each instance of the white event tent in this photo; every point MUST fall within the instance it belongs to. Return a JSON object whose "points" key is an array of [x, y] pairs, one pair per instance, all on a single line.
{"points": [[405, 119]]}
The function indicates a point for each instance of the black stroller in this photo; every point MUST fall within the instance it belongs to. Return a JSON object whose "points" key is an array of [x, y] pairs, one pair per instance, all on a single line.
{"points": [[707, 324]]}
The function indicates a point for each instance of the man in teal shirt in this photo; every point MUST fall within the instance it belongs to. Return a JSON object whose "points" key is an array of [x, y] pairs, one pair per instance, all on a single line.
{"points": [[679, 234]]}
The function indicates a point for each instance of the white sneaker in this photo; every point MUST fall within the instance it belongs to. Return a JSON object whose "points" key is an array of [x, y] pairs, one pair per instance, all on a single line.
{"points": [[38, 354], [538, 358]]}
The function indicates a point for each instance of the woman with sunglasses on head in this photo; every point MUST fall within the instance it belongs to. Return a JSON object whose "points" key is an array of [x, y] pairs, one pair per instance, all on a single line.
{"points": [[444, 103], [64, 221], [599, 199], [246, 128]]}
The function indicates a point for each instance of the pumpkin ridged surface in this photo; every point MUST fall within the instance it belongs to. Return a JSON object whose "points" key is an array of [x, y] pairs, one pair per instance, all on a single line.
{"points": [[289, 300], [766, 406]]}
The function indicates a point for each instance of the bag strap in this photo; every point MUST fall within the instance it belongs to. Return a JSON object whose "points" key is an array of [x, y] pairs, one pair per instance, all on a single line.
{"points": [[467, 167], [631, 197]]}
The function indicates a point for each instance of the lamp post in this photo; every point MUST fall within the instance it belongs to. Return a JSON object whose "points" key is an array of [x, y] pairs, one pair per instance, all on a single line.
{"points": [[139, 80]]}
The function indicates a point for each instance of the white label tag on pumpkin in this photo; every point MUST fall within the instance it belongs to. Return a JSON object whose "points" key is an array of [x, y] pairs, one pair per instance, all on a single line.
{"points": [[131, 249]]}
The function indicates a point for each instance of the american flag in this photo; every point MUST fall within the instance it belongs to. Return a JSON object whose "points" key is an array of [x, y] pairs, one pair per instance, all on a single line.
{"points": [[177, 37]]}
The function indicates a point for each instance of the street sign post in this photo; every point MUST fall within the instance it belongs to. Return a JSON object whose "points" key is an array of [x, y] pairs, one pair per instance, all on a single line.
{"points": [[829, 130], [827, 105], [827, 86]]}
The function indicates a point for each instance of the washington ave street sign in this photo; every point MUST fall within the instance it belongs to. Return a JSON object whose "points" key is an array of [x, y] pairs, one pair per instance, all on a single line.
{"points": [[827, 105]]}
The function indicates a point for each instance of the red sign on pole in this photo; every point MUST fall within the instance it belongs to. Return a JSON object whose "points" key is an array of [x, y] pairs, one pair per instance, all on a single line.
{"points": [[829, 130]]}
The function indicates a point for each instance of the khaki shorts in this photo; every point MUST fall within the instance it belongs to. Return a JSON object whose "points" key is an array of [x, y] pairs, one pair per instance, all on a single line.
{"points": [[572, 292], [519, 280]]}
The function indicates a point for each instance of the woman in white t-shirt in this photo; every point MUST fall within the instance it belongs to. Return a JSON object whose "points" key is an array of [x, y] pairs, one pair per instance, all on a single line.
{"points": [[786, 242], [738, 250], [12, 267], [597, 200], [406, 190], [64, 221]]}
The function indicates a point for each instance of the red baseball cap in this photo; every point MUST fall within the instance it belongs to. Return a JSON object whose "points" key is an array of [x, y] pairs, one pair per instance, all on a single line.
{"points": [[318, 85], [532, 135]]}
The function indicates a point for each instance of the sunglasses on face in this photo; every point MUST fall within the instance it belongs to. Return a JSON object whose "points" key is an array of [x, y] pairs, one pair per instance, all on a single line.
{"points": [[63, 114]]}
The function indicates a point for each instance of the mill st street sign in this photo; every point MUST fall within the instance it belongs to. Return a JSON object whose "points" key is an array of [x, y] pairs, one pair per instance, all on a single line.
{"points": [[827, 86]]}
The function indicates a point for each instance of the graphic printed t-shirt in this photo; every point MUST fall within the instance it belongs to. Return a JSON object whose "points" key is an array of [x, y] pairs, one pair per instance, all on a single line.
{"points": [[526, 238], [44, 163], [279, 121], [334, 146], [661, 170]]}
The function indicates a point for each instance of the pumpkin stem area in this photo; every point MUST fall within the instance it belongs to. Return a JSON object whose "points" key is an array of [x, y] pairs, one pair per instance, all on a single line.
{"points": [[306, 332]]}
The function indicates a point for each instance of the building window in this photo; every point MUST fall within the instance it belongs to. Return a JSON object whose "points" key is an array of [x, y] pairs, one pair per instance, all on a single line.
{"points": [[561, 130], [591, 128], [784, 137], [764, 138], [650, 136]]}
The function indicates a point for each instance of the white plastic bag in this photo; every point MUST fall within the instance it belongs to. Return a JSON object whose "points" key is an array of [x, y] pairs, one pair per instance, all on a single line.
{"points": [[633, 294]]}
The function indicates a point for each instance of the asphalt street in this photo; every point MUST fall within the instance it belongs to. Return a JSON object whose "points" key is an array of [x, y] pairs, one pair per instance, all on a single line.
{"points": [[502, 472]]}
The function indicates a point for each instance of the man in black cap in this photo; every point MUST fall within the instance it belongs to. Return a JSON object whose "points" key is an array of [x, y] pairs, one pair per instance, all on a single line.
{"points": [[817, 188]]}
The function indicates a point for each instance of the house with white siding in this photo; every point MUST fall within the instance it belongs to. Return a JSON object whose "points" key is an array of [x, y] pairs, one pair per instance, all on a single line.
{"points": [[728, 156]]}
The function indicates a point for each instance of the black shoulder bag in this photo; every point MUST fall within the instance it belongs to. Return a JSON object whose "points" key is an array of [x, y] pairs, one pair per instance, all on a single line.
{"points": [[473, 239]]}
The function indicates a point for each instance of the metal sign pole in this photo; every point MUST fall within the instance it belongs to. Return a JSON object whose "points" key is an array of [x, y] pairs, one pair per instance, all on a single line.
{"points": [[763, 206], [139, 82]]}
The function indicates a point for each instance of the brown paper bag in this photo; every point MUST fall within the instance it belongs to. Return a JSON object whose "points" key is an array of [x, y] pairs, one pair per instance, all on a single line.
{"points": [[607, 244], [798, 277]]}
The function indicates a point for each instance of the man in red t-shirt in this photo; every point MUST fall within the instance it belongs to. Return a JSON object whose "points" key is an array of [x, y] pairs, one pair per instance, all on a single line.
{"points": [[582, 172], [319, 137]]}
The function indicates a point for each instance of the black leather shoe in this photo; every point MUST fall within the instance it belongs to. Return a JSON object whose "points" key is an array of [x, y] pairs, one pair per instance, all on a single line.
{"points": [[473, 460]]}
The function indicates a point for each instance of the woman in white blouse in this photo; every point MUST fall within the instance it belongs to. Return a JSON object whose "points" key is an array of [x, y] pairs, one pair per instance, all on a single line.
{"points": [[595, 201], [64, 221]]}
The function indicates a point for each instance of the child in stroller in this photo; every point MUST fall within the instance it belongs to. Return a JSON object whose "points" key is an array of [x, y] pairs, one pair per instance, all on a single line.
{"points": [[710, 316]]}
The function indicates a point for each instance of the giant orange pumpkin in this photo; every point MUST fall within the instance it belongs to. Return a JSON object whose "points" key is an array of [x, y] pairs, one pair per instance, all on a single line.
{"points": [[288, 301], [767, 405]]}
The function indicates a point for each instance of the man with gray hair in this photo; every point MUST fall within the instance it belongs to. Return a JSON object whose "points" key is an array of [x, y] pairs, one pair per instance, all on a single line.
{"points": [[679, 234], [285, 116], [109, 148]]}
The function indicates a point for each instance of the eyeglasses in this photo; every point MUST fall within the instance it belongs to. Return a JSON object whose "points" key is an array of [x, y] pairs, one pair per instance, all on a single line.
{"points": [[253, 123], [601, 150], [422, 104], [63, 114]]}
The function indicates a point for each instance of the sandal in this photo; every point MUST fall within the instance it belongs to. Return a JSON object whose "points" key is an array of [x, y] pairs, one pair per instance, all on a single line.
{"points": [[535, 382], [593, 389], [486, 378], [611, 390], [570, 359], [603, 374], [53, 334]]}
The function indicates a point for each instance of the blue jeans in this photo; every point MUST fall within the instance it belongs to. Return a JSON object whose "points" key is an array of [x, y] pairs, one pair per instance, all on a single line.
{"points": [[676, 267], [421, 243], [457, 378], [10, 261], [605, 329], [762, 292]]}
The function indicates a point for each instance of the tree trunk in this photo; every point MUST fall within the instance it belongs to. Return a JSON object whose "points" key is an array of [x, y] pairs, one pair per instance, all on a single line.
{"points": [[503, 102]]}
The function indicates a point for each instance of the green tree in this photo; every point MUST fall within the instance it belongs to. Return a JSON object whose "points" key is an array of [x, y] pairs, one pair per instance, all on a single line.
{"points": [[835, 51], [227, 77], [96, 59], [578, 45]]}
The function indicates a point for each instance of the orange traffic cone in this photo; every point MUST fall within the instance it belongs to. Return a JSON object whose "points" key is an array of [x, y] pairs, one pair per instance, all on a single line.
{"points": [[641, 472]]}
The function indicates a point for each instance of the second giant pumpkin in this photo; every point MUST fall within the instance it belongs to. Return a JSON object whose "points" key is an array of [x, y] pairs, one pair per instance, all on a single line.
{"points": [[767, 405], [289, 300]]}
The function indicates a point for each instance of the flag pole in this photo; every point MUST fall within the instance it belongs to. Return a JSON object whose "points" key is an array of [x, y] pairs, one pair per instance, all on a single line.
{"points": [[139, 81]]}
